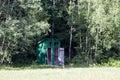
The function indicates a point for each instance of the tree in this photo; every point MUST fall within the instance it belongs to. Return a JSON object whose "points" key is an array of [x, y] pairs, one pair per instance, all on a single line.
{"points": [[104, 26], [21, 29]]}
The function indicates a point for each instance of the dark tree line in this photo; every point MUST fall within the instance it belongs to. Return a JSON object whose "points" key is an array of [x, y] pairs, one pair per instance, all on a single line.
{"points": [[88, 29]]}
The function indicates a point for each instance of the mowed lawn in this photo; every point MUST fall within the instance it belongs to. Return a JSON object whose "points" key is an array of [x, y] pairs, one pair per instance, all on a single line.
{"points": [[62, 74]]}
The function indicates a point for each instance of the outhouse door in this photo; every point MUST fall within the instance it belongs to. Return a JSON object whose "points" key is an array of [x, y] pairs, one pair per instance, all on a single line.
{"points": [[50, 56], [57, 58], [61, 56]]}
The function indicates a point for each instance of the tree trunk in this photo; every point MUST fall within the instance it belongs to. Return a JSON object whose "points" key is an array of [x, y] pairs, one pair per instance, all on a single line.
{"points": [[71, 26], [53, 24], [96, 45], [86, 50], [70, 43], [87, 42]]}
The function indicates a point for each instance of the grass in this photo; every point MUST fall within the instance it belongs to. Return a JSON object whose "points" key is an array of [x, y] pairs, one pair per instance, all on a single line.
{"points": [[61, 74], [35, 66]]}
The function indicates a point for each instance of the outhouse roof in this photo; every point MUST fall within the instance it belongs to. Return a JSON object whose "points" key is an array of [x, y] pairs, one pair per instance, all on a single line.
{"points": [[49, 39]]}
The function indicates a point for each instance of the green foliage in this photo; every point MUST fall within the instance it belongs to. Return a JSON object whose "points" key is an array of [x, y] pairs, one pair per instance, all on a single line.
{"points": [[95, 29], [21, 30], [110, 63]]}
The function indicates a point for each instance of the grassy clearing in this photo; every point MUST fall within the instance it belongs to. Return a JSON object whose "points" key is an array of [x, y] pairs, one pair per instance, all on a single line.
{"points": [[62, 74], [26, 67]]}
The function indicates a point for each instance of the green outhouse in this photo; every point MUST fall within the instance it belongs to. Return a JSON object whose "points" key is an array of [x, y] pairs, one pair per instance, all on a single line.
{"points": [[48, 51]]}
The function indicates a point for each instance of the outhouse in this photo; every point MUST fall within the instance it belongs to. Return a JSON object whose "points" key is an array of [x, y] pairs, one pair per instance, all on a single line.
{"points": [[49, 52]]}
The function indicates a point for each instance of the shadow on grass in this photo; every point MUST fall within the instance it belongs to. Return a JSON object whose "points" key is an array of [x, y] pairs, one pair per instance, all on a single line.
{"points": [[36, 66]]}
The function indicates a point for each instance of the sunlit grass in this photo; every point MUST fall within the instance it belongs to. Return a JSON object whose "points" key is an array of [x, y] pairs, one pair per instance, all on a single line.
{"points": [[62, 74]]}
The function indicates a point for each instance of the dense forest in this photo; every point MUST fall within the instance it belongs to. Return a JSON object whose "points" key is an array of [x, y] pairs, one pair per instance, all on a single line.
{"points": [[89, 30]]}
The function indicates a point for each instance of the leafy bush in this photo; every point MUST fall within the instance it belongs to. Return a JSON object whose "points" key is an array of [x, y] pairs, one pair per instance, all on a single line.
{"points": [[110, 63]]}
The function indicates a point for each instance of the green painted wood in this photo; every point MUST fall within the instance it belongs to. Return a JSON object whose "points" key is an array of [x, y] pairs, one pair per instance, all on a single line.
{"points": [[42, 50]]}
